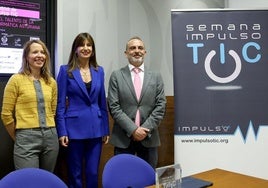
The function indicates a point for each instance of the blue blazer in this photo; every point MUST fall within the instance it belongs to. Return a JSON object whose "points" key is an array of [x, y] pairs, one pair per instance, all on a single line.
{"points": [[86, 114]]}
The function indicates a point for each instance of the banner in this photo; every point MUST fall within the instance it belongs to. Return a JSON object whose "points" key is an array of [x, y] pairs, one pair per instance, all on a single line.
{"points": [[220, 60]]}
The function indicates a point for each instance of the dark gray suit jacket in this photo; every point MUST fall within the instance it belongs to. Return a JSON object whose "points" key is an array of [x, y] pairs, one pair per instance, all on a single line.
{"points": [[123, 105]]}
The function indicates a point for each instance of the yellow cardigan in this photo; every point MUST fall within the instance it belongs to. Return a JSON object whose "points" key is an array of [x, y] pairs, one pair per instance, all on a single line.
{"points": [[20, 102]]}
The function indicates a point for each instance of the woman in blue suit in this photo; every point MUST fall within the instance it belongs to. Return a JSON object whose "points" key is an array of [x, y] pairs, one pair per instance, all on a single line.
{"points": [[82, 116]]}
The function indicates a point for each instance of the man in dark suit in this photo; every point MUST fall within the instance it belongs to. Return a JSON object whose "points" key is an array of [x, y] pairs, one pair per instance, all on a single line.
{"points": [[130, 135]]}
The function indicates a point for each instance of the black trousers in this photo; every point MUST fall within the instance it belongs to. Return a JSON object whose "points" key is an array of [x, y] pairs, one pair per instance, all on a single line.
{"points": [[136, 148]]}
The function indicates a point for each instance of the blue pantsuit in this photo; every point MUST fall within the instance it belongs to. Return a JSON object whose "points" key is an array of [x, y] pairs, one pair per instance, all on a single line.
{"points": [[82, 116]]}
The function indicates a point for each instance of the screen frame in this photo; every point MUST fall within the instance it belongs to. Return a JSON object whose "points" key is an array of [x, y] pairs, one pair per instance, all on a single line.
{"points": [[51, 26]]}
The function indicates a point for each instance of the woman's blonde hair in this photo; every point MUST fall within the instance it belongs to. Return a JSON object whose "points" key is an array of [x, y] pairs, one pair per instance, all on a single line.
{"points": [[45, 72]]}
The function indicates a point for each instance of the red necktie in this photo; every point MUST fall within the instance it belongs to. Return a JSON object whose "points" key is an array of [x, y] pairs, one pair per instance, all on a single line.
{"points": [[137, 86]]}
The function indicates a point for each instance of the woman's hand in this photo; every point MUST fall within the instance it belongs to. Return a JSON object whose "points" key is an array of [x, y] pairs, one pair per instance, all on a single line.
{"points": [[11, 129], [64, 141], [105, 139]]}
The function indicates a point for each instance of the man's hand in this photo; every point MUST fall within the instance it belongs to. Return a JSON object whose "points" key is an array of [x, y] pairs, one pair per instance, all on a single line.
{"points": [[140, 133]]}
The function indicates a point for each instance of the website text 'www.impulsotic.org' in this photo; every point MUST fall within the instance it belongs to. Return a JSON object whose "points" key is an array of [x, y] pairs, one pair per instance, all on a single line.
{"points": [[206, 140]]}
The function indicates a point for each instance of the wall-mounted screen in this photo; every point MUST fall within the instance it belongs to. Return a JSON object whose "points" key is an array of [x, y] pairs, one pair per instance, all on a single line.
{"points": [[20, 21]]}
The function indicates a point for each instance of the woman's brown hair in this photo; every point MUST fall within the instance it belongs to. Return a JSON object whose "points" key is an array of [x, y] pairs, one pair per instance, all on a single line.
{"points": [[79, 41]]}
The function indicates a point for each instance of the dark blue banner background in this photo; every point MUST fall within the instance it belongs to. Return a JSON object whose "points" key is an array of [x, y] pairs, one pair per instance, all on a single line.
{"points": [[204, 105]]}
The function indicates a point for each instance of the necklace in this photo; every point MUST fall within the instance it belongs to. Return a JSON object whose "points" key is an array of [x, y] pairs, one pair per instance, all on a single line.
{"points": [[84, 72]]}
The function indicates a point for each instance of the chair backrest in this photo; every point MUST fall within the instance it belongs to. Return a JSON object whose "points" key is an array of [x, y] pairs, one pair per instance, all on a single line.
{"points": [[31, 178], [127, 171]]}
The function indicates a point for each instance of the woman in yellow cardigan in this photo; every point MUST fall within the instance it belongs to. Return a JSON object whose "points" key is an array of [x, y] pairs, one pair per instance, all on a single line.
{"points": [[28, 110]]}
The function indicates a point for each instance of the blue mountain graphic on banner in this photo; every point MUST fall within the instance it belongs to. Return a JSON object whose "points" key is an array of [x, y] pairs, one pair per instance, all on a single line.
{"points": [[251, 127]]}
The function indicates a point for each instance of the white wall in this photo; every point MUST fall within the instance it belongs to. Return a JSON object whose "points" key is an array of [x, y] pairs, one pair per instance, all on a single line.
{"points": [[113, 22], [247, 4]]}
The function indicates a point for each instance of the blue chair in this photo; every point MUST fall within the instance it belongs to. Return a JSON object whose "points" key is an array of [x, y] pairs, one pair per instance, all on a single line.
{"points": [[31, 178], [127, 171]]}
